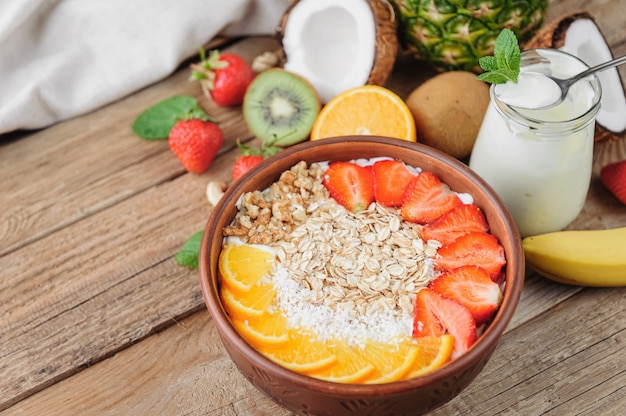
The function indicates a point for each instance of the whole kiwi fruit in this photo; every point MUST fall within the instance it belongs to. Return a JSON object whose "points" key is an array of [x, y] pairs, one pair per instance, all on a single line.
{"points": [[448, 111]]}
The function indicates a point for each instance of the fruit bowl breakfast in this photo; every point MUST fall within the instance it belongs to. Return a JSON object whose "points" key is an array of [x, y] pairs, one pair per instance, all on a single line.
{"points": [[359, 274]]}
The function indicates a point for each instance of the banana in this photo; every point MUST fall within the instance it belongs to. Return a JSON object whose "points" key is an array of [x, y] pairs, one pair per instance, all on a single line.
{"points": [[583, 258]]}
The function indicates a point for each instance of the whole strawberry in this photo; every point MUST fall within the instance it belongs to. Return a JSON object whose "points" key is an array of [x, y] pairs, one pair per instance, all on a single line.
{"points": [[224, 77], [195, 143], [244, 163], [251, 157], [613, 176]]}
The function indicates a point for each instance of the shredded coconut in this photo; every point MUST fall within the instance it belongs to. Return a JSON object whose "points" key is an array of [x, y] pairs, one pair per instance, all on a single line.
{"points": [[328, 323]]}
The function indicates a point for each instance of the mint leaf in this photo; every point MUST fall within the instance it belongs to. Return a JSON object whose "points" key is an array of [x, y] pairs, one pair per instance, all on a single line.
{"points": [[506, 51], [190, 251], [488, 63], [505, 64], [156, 122], [499, 76]]}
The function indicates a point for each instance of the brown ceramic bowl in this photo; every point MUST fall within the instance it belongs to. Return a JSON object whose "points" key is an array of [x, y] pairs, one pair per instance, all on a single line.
{"points": [[308, 396]]}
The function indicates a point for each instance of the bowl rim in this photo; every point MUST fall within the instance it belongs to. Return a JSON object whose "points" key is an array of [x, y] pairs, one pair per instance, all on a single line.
{"points": [[485, 343]]}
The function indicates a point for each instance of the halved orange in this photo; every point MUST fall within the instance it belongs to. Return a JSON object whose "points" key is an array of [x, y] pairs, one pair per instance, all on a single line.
{"points": [[349, 367], [267, 332], [392, 360], [435, 352], [304, 352], [249, 305], [243, 265], [365, 110]]}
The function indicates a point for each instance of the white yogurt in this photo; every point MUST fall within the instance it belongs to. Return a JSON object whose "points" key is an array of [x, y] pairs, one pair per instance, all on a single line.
{"points": [[539, 161], [532, 90]]}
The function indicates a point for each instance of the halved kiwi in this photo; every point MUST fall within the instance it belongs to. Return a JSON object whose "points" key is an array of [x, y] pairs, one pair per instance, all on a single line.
{"points": [[280, 107]]}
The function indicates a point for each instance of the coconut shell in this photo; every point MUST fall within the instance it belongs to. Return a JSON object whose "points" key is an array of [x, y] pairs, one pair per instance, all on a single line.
{"points": [[386, 39], [553, 35], [280, 31]]}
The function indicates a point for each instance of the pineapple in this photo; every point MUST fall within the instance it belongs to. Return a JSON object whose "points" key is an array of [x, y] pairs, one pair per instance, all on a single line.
{"points": [[454, 34]]}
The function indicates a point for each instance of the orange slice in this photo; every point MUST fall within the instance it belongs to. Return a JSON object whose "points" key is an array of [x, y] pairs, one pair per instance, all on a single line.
{"points": [[243, 265], [435, 352], [304, 352], [267, 332], [365, 110], [393, 361], [251, 304], [350, 366]]}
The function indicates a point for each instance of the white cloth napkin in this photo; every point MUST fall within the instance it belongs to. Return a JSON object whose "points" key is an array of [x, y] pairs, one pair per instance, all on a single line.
{"points": [[63, 58]]}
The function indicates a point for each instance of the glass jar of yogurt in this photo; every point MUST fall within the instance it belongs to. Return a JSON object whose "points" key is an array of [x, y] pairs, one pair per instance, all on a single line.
{"points": [[539, 161]]}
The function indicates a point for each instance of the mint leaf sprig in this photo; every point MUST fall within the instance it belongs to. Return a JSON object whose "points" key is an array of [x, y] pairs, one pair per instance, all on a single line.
{"points": [[504, 65], [156, 122], [189, 253]]}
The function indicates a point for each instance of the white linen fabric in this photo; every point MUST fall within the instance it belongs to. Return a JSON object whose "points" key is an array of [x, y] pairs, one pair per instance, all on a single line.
{"points": [[63, 58]]}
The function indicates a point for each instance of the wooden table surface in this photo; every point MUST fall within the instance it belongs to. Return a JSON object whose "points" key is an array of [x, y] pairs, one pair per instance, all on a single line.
{"points": [[97, 318]]}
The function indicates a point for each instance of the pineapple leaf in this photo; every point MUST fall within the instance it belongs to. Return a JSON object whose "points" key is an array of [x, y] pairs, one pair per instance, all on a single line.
{"points": [[505, 64]]}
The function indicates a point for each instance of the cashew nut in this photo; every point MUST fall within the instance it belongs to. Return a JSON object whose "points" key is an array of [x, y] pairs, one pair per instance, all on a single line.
{"points": [[214, 191], [265, 61]]}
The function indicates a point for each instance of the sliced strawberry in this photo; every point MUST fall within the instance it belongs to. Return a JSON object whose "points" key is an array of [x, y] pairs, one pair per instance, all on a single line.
{"points": [[453, 224], [436, 315], [351, 185], [391, 178], [474, 248], [473, 288], [427, 198], [613, 177]]}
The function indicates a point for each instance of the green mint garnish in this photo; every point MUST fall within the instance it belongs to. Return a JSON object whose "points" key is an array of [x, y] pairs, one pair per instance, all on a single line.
{"points": [[504, 65], [156, 122], [190, 251]]}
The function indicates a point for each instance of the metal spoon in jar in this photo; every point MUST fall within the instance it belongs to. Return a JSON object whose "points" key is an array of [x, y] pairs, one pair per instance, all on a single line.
{"points": [[554, 89]]}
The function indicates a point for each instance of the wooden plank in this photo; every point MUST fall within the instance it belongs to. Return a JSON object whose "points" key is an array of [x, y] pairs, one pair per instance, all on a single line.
{"points": [[538, 296], [69, 171], [562, 362], [183, 370], [48, 256], [97, 286], [89, 236], [551, 369]]}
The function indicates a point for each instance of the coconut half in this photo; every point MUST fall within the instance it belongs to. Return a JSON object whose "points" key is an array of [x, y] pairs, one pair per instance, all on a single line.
{"points": [[338, 45], [579, 35]]}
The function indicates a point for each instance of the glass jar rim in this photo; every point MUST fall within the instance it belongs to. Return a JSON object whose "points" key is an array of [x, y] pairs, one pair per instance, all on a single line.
{"points": [[551, 127]]}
